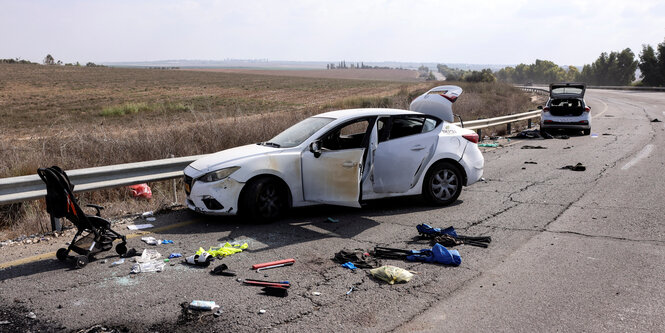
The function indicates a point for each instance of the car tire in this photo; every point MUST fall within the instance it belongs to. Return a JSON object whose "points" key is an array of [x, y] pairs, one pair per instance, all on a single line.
{"points": [[265, 200], [587, 131], [443, 184]]}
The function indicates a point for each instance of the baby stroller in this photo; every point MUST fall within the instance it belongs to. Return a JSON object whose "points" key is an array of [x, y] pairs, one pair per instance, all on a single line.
{"points": [[94, 233]]}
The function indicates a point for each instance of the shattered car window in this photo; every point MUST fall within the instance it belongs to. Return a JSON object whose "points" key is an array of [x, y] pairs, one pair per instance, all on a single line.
{"points": [[299, 132], [567, 90]]}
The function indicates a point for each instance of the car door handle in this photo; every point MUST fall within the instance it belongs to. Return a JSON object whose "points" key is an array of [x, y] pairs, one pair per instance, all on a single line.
{"points": [[349, 164], [418, 147]]}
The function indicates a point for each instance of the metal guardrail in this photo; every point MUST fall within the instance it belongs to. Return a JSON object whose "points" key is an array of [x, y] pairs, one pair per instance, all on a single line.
{"points": [[536, 90], [16, 189], [23, 188]]}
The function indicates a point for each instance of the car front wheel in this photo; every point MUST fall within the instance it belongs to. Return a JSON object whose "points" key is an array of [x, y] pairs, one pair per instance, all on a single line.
{"points": [[265, 200], [443, 184]]}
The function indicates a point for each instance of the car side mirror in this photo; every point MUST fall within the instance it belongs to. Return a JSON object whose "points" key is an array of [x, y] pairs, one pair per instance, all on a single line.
{"points": [[315, 148], [540, 107]]}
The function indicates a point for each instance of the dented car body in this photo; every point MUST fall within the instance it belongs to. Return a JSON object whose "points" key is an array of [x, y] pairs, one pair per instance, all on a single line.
{"points": [[341, 158]]}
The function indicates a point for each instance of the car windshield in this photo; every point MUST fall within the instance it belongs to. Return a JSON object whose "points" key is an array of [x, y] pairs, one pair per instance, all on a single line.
{"points": [[299, 132]]}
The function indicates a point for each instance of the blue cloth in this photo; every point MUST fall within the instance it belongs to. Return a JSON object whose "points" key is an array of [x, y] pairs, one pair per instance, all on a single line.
{"points": [[438, 254], [429, 230], [175, 255], [167, 241], [349, 265]]}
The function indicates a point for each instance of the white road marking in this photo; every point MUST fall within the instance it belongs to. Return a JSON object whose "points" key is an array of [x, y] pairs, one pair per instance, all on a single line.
{"points": [[641, 155], [605, 109]]}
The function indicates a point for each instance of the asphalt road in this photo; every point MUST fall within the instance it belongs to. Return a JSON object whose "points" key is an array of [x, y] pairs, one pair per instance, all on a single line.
{"points": [[571, 251]]}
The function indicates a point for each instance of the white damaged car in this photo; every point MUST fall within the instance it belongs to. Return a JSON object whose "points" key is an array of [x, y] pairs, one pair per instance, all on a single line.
{"points": [[342, 158]]}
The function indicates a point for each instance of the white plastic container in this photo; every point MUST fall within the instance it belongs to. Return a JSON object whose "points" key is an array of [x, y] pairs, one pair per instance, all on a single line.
{"points": [[203, 305]]}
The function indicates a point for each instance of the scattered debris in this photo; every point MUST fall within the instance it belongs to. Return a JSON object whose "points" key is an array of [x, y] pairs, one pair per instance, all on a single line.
{"points": [[203, 305], [148, 267], [349, 265], [31, 315], [274, 266], [119, 262], [222, 270], [350, 290], [166, 241], [568, 147], [359, 257], [150, 240], [492, 145], [273, 263], [275, 291], [200, 259], [594, 135], [5, 322], [316, 293], [222, 251], [576, 167], [390, 274], [140, 226], [262, 311], [656, 120], [149, 255], [332, 220], [436, 236], [263, 283], [175, 255], [530, 162], [218, 312], [533, 147], [147, 214]]}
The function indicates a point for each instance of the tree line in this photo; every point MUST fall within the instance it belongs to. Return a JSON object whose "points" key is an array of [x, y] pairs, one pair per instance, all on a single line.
{"points": [[616, 68]]}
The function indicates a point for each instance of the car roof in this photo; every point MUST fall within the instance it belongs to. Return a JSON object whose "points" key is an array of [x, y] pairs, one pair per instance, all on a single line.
{"points": [[352, 113]]}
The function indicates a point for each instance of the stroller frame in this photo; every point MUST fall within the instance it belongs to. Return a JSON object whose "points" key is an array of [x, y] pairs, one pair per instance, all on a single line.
{"points": [[61, 202]]}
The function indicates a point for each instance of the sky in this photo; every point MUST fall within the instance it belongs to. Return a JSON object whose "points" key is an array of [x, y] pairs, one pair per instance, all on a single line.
{"points": [[568, 32]]}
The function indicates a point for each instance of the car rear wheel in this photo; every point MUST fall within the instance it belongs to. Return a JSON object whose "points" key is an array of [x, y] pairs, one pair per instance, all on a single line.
{"points": [[265, 200], [587, 131], [443, 184]]}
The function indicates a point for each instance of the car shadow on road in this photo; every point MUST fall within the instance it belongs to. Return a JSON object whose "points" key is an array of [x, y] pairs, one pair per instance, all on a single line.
{"points": [[304, 224]]}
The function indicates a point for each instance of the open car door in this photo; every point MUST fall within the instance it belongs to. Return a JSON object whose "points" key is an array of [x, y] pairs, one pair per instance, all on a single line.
{"points": [[332, 173]]}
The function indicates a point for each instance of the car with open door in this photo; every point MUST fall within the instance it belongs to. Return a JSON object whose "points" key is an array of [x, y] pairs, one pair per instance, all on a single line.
{"points": [[342, 158], [566, 108]]}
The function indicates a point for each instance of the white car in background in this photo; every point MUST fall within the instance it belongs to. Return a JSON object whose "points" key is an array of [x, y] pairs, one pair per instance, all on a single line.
{"points": [[566, 108], [342, 158]]}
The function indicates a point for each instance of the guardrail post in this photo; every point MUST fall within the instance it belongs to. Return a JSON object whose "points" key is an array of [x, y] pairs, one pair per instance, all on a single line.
{"points": [[528, 123], [175, 190], [55, 224], [508, 128], [480, 134]]}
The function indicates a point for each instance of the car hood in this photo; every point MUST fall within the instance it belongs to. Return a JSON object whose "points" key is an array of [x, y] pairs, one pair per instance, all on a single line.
{"points": [[567, 90], [225, 158]]}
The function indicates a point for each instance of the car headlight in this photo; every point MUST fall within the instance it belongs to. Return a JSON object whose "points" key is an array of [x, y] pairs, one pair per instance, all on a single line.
{"points": [[218, 175]]}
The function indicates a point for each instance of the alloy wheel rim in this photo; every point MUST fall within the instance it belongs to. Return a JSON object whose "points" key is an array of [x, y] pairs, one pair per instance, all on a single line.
{"points": [[444, 184]]}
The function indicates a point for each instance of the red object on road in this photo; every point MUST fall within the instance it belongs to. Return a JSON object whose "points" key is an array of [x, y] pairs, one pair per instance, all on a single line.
{"points": [[140, 191], [273, 263]]}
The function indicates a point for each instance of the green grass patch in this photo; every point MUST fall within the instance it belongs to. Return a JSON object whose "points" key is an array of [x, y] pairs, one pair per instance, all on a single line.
{"points": [[125, 109]]}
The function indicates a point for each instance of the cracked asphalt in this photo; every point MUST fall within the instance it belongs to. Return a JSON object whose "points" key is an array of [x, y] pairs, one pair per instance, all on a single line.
{"points": [[571, 251]]}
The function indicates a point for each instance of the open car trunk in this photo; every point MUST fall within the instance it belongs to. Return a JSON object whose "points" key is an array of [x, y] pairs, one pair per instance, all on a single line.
{"points": [[566, 107]]}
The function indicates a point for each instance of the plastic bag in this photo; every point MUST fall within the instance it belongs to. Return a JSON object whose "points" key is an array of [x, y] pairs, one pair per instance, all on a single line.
{"points": [[149, 255], [391, 274], [140, 191], [150, 266]]}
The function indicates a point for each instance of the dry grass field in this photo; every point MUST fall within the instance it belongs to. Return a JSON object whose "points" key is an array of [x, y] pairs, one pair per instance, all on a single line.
{"points": [[77, 117]]}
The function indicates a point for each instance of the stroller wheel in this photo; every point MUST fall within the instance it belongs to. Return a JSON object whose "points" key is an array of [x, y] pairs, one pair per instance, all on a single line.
{"points": [[121, 249], [62, 254], [81, 261]]}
